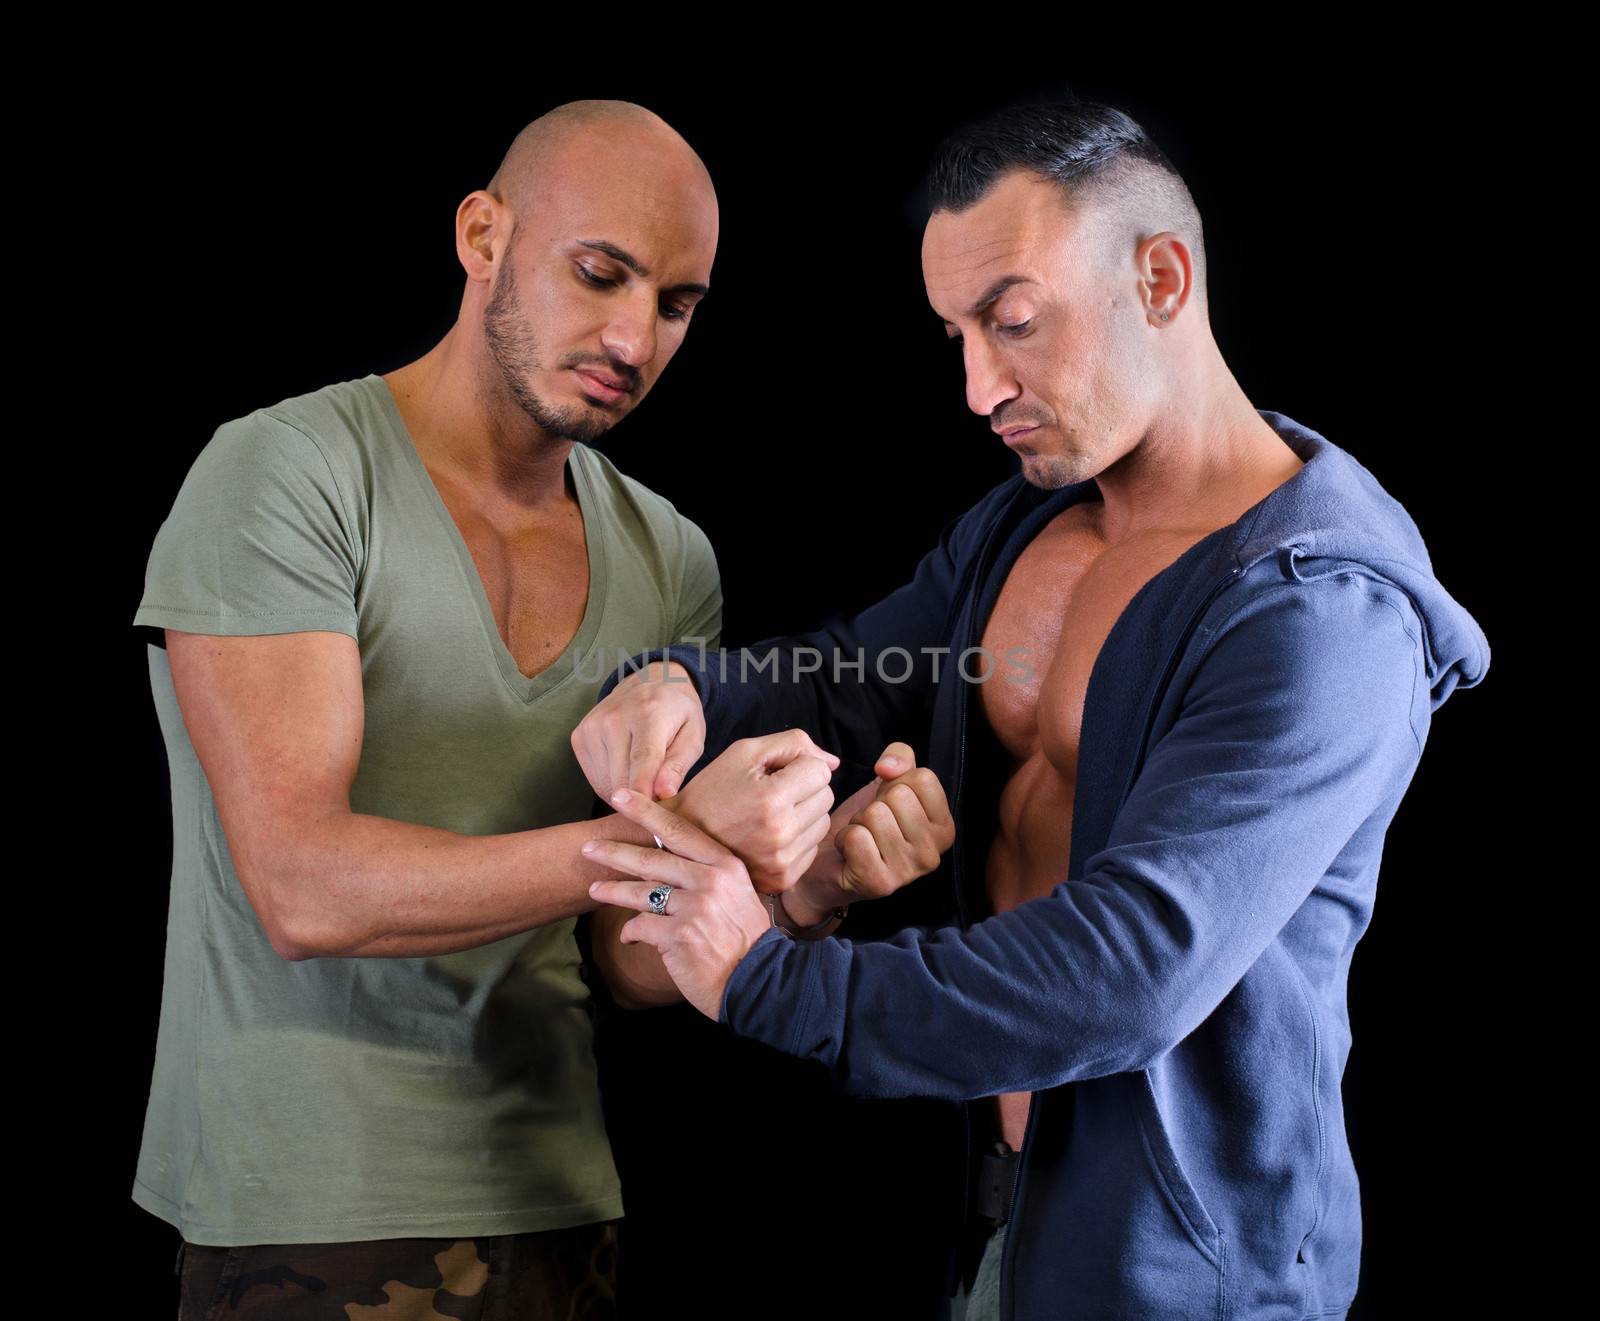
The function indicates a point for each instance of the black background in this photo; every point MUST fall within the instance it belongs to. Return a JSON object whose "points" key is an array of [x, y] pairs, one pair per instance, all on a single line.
{"points": [[814, 425]]}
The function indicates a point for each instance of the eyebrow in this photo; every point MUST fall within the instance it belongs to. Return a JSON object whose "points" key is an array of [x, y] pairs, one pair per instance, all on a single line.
{"points": [[638, 267], [993, 292]]}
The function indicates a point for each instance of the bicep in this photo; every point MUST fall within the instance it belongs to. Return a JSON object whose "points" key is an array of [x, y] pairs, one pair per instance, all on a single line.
{"points": [[276, 721]]}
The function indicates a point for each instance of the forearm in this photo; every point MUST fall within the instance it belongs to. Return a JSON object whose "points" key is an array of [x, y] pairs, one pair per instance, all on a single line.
{"points": [[827, 682], [1032, 1007], [360, 886], [634, 973], [834, 683]]}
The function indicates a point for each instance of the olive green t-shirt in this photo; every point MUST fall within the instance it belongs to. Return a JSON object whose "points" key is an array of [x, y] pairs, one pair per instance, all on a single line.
{"points": [[364, 1098]]}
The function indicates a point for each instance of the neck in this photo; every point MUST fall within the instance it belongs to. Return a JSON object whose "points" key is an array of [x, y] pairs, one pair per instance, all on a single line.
{"points": [[1205, 457], [471, 432]]}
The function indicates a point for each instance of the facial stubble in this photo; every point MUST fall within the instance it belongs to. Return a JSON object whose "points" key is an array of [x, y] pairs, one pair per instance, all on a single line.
{"points": [[516, 353]]}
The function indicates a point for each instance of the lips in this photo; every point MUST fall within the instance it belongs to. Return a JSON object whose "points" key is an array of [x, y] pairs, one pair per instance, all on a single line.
{"points": [[606, 389], [1019, 433]]}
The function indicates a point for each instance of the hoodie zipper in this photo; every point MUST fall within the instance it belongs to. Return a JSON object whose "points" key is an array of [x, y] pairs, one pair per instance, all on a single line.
{"points": [[1008, 1254], [958, 780], [959, 877]]}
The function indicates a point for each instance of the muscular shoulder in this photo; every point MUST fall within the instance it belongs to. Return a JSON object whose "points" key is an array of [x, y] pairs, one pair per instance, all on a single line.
{"points": [[348, 424], [320, 441], [267, 459], [1336, 635]]}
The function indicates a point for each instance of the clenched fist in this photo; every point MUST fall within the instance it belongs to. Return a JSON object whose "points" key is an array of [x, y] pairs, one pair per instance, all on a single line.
{"points": [[886, 835], [766, 799]]}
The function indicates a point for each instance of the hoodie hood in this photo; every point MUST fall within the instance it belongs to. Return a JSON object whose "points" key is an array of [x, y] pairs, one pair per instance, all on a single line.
{"points": [[1334, 508]]}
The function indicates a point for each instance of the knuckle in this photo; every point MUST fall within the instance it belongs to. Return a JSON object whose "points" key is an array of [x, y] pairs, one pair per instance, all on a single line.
{"points": [[858, 846]]}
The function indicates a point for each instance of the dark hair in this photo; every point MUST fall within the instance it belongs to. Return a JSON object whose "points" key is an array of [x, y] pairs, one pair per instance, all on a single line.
{"points": [[1089, 150], [1070, 142]]}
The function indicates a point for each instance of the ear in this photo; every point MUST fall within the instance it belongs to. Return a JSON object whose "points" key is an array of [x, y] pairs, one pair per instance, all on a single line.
{"points": [[1166, 276], [482, 224]]}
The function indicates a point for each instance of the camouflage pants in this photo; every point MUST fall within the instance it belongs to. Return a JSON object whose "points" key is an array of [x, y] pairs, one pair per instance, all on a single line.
{"points": [[562, 1274]]}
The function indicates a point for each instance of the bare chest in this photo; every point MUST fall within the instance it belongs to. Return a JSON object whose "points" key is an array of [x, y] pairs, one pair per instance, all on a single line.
{"points": [[1053, 614], [536, 580]]}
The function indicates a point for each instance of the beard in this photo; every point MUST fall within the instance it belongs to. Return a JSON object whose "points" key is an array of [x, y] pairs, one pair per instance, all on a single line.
{"points": [[1049, 473], [516, 353]]}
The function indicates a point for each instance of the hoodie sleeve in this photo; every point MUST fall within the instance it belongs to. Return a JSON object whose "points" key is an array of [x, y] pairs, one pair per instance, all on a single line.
{"points": [[1302, 724], [854, 684]]}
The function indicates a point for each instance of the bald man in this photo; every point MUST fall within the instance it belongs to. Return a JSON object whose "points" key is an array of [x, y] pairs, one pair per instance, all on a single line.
{"points": [[384, 607]]}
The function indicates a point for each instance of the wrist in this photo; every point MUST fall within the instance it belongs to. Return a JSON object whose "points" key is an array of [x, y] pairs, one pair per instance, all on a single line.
{"points": [[617, 827], [800, 920], [819, 891], [795, 909], [677, 805]]}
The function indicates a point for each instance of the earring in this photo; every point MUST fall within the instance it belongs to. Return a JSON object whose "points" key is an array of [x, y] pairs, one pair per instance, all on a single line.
{"points": [[1163, 316]]}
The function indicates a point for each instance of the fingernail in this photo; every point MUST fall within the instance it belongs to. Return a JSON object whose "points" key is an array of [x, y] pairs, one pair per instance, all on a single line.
{"points": [[588, 847], [593, 886], [620, 797], [891, 762]]}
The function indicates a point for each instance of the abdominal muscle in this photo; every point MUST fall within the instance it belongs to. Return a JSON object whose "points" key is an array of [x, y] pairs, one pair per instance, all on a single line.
{"points": [[1059, 602], [1027, 859], [1035, 717]]}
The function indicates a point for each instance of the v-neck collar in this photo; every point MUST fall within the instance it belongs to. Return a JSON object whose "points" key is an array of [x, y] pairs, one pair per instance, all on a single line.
{"points": [[565, 665]]}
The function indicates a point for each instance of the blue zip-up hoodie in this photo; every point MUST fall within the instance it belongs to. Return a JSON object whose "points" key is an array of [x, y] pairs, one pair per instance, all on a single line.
{"points": [[1177, 1003]]}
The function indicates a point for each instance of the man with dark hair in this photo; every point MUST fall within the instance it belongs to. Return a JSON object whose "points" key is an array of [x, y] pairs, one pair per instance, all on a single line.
{"points": [[1171, 816], [384, 604]]}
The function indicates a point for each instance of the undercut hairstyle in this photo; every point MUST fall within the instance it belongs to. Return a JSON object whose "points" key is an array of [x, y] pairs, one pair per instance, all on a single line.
{"points": [[1099, 157]]}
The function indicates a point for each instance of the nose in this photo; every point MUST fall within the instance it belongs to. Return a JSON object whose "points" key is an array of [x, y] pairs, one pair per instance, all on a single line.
{"points": [[989, 379], [630, 335]]}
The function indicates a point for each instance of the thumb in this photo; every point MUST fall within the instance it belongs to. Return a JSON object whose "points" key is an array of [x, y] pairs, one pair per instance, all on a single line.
{"points": [[682, 752], [897, 759]]}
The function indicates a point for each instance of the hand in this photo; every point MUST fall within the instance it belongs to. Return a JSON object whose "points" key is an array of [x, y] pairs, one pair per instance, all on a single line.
{"points": [[889, 833], [767, 800], [645, 735], [713, 916]]}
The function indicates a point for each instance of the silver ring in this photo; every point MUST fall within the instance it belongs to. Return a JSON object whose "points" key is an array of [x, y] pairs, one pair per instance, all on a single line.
{"points": [[657, 899]]}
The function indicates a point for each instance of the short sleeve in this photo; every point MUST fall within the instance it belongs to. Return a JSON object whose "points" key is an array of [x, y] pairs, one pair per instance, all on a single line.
{"points": [[258, 541], [700, 600]]}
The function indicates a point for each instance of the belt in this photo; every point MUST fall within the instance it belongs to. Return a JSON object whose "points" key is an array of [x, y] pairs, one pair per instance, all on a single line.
{"points": [[997, 1183]]}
